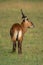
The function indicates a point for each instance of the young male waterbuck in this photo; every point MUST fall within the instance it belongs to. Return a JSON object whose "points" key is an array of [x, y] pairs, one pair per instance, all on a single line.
{"points": [[17, 32]]}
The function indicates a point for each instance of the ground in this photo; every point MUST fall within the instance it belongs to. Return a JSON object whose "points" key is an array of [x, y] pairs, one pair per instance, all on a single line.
{"points": [[32, 44]]}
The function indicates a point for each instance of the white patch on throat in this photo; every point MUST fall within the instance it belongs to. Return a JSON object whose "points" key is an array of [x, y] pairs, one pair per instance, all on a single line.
{"points": [[31, 26]]}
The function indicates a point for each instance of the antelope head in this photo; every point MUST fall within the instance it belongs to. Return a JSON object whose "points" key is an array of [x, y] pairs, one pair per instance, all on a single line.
{"points": [[27, 23]]}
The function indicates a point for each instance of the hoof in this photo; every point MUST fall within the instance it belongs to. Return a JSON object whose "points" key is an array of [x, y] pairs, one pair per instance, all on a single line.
{"points": [[20, 52]]}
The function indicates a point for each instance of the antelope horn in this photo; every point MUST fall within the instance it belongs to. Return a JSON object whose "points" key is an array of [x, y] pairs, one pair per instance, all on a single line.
{"points": [[23, 16]]}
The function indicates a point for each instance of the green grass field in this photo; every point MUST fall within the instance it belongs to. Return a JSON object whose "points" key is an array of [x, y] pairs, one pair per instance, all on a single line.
{"points": [[32, 44]]}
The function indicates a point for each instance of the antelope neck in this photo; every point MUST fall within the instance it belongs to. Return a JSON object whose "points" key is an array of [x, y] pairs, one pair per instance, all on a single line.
{"points": [[24, 28]]}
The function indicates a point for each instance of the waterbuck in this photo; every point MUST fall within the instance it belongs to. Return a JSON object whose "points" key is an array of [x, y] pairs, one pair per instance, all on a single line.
{"points": [[17, 32]]}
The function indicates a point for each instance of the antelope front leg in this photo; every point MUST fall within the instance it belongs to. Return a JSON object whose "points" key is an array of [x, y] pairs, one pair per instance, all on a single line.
{"points": [[19, 47]]}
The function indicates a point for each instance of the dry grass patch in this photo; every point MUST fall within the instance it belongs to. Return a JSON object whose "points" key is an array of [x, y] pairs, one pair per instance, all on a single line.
{"points": [[23, 5]]}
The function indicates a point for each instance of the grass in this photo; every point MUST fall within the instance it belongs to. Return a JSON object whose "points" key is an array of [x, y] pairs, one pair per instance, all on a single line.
{"points": [[20, 0], [33, 39]]}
